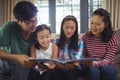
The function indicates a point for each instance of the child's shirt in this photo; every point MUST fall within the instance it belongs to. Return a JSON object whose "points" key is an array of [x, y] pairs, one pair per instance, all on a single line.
{"points": [[44, 54], [67, 53]]}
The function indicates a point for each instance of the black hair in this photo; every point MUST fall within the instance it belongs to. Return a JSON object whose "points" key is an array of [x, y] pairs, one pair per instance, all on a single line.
{"points": [[24, 11], [38, 29], [107, 32], [74, 39]]}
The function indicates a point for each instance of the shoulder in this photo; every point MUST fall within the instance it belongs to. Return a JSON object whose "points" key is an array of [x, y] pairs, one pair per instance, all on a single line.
{"points": [[10, 25], [113, 40], [56, 41], [54, 46], [87, 36]]}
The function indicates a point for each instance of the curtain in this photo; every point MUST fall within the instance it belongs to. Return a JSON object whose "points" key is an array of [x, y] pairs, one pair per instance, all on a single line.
{"points": [[113, 6], [8, 9]]}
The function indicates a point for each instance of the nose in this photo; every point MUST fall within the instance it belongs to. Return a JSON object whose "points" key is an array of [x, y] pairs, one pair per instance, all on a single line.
{"points": [[34, 24], [45, 39], [93, 26], [69, 30]]}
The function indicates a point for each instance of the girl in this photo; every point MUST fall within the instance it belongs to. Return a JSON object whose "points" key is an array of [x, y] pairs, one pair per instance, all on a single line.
{"points": [[70, 47], [44, 49]]}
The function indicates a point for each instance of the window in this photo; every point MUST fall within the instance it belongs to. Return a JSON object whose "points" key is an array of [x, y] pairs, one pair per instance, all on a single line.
{"points": [[61, 9], [93, 5], [64, 8], [43, 14]]}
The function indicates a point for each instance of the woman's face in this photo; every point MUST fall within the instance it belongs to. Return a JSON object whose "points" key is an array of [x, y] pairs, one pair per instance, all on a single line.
{"points": [[69, 28], [44, 38], [97, 25]]}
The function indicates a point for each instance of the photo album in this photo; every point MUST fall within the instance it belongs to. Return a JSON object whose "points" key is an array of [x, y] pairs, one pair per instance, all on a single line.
{"points": [[64, 62]]}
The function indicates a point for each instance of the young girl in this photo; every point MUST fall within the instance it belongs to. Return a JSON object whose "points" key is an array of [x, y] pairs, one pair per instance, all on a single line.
{"points": [[43, 48], [70, 47]]}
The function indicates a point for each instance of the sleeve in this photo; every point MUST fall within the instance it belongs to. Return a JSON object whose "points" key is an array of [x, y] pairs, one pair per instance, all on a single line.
{"points": [[110, 52], [5, 34]]}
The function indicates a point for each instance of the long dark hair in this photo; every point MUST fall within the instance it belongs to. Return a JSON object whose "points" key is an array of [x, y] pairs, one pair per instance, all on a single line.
{"points": [[74, 39], [107, 32], [38, 29]]}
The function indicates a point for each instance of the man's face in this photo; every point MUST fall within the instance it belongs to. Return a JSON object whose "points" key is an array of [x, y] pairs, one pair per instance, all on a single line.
{"points": [[29, 25]]}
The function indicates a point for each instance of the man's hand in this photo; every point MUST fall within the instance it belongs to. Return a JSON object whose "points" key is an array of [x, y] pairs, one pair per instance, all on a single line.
{"points": [[24, 61]]}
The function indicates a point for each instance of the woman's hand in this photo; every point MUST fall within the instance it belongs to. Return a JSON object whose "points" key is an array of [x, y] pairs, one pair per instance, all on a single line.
{"points": [[42, 66]]}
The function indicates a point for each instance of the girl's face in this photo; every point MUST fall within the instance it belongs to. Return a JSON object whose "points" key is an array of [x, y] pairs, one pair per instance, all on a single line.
{"points": [[69, 28], [97, 25], [44, 38]]}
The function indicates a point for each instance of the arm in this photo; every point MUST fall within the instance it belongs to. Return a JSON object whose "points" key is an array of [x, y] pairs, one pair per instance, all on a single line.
{"points": [[54, 56], [110, 53], [55, 52], [11, 57], [32, 51], [33, 55], [5, 36]]}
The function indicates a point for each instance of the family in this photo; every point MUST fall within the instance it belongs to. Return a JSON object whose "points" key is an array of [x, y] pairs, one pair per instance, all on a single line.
{"points": [[23, 39]]}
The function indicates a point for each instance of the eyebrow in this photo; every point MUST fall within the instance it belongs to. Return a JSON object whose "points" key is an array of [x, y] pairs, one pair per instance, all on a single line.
{"points": [[33, 20]]}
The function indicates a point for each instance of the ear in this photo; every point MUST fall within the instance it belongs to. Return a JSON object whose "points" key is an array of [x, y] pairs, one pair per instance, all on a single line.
{"points": [[19, 22]]}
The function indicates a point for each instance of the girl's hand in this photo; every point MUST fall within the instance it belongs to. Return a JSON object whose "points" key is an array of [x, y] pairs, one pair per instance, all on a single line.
{"points": [[69, 66], [60, 66], [51, 66], [42, 66]]}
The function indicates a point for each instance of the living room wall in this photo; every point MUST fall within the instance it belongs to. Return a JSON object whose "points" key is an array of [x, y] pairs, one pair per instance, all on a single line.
{"points": [[1, 13]]}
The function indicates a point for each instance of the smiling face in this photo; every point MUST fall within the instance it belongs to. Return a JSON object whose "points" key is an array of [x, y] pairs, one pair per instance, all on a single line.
{"points": [[97, 25], [69, 28], [44, 38]]}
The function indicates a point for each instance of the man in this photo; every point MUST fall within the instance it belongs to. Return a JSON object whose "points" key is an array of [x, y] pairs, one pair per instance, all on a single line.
{"points": [[15, 40]]}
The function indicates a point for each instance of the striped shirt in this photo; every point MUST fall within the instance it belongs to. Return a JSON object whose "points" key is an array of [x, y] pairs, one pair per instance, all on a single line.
{"points": [[95, 48]]}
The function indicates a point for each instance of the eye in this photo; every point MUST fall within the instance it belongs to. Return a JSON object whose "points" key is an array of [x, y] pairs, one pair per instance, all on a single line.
{"points": [[66, 27], [97, 24], [91, 23], [73, 28], [27, 22]]}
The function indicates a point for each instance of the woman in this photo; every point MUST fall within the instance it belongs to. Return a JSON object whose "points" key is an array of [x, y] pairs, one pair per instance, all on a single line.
{"points": [[100, 42]]}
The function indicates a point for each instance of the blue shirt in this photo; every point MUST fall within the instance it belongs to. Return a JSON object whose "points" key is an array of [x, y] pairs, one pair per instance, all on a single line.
{"points": [[66, 52]]}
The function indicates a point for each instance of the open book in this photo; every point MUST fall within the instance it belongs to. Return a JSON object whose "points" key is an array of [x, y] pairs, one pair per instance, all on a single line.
{"points": [[64, 62]]}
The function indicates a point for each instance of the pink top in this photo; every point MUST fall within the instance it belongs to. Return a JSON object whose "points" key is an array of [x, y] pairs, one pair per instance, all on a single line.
{"points": [[95, 48]]}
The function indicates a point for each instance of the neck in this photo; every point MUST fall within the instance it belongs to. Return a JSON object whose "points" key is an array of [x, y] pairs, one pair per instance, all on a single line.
{"points": [[25, 34], [67, 40], [43, 48]]}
